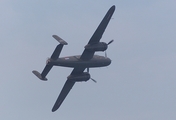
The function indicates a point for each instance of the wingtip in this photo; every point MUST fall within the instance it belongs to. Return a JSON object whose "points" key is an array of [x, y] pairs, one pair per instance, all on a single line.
{"points": [[56, 105], [54, 108], [113, 7]]}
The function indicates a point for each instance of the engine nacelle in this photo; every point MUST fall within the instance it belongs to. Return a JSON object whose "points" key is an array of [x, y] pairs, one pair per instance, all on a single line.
{"points": [[101, 46], [85, 76]]}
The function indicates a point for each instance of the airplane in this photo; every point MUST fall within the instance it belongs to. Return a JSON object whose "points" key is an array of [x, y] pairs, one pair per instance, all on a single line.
{"points": [[79, 63]]}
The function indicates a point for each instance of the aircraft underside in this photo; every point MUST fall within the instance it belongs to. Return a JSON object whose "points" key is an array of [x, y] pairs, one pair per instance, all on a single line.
{"points": [[80, 62]]}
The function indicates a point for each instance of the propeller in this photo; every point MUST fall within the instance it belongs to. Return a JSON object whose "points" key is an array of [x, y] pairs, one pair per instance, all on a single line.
{"points": [[108, 44], [91, 78]]}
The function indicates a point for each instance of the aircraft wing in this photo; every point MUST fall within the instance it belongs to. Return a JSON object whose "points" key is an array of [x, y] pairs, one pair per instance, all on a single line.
{"points": [[87, 55], [64, 92], [66, 89]]}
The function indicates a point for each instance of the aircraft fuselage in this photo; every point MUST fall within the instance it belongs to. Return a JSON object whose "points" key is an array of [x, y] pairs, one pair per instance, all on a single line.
{"points": [[75, 61]]}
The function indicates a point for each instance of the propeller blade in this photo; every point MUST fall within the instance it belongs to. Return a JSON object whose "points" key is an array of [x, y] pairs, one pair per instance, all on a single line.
{"points": [[93, 80], [110, 42]]}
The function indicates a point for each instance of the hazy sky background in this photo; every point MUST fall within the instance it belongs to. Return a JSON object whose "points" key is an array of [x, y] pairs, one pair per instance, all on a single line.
{"points": [[140, 84]]}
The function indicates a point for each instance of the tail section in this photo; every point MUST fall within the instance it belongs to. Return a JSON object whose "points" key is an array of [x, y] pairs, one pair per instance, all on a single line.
{"points": [[59, 47], [60, 40], [54, 56], [57, 52], [39, 75]]}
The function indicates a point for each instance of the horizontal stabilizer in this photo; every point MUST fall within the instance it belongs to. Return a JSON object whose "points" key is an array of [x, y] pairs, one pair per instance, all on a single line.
{"points": [[60, 40], [57, 52], [39, 75]]}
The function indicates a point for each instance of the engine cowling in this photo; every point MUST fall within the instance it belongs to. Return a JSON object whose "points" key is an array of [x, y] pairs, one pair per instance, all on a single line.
{"points": [[101, 46], [85, 76]]}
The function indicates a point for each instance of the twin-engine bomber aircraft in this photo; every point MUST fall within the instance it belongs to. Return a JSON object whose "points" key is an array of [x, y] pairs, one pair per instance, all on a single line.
{"points": [[80, 62]]}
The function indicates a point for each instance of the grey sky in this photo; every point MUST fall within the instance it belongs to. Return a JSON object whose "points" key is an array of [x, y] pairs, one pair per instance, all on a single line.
{"points": [[140, 83]]}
